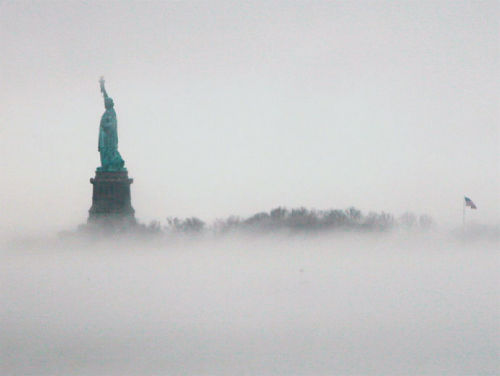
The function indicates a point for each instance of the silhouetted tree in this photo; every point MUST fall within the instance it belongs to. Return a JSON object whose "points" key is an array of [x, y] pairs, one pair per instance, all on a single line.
{"points": [[354, 215], [335, 218], [408, 220], [192, 224], [378, 221], [278, 214]]}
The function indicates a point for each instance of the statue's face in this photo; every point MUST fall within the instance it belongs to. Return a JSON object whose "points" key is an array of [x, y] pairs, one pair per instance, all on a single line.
{"points": [[108, 103]]}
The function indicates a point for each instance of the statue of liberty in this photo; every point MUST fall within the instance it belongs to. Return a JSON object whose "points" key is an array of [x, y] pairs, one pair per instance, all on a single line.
{"points": [[111, 159]]}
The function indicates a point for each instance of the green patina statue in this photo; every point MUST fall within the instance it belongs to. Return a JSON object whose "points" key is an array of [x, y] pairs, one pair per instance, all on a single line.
{"points": [[111, 159]]}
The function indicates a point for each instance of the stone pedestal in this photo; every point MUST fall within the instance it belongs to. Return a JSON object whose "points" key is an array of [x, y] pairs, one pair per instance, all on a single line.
{"points": [[111, 198]]}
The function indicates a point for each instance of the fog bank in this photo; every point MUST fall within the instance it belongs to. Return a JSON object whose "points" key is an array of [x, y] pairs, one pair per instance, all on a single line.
{"points": [[345, 303]]}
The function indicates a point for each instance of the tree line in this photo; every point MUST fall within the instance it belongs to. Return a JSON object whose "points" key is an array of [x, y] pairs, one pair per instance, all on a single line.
{"points": [[297, 220]]}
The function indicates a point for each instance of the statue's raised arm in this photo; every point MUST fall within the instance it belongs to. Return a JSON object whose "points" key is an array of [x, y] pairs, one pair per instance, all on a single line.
{"points": [[103, 90]]}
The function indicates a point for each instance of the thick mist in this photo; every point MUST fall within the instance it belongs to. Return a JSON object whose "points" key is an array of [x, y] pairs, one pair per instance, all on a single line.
{"points": [[346, 303], [363, 112]]}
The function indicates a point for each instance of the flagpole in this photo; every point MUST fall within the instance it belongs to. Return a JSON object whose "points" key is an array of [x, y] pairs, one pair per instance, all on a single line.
{"points": [[463, 214]]}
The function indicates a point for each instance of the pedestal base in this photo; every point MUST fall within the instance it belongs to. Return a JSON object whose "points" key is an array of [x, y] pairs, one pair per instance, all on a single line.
{"points": [[111, 198]]}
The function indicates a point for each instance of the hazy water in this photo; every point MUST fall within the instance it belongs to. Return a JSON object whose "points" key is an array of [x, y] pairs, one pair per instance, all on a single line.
{"points": [[318, 305]]}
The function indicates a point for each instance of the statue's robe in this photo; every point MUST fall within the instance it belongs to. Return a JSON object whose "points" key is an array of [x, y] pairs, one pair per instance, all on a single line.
{"points": [[108, 142]]}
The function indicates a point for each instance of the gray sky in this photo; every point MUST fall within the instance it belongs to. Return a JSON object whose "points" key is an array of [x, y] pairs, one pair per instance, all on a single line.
{"points": [[233, 108]]}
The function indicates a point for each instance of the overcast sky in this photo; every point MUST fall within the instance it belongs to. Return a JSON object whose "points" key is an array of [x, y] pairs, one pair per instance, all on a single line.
{"points": [[238, 107]]}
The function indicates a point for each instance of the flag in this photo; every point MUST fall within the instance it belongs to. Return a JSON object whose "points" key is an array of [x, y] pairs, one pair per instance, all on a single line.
{"points": [[469, 203]]}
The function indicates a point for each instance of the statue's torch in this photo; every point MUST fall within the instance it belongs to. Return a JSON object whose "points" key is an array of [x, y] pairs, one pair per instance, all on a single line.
{"points": [[101, 81]]}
